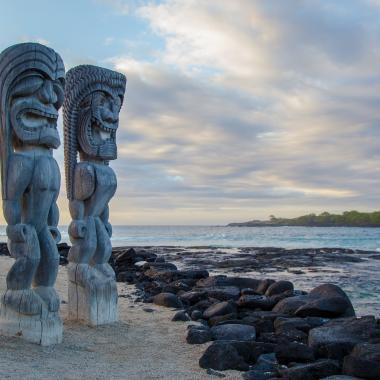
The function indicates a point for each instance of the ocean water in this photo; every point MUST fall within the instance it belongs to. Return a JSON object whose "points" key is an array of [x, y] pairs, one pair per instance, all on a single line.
{"points": [[287, 237], [218, 236], [360, 280]]}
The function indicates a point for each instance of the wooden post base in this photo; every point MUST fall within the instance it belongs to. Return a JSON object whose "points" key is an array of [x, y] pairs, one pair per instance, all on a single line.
{"points": [[44, 329], [93, 303]]}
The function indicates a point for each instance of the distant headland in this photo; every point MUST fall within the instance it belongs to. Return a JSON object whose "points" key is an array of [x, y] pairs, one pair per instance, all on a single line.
{"points": [[325, 219]]}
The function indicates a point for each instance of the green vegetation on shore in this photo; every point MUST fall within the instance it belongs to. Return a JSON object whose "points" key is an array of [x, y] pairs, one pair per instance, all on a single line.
{"points": [[347, 219]]}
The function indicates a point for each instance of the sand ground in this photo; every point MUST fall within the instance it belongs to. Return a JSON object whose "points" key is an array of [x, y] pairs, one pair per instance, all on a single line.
{"points": [[142, 345]]}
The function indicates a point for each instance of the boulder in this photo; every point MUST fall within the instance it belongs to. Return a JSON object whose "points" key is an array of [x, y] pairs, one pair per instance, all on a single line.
{"points": [[4, 248], [292, 323], [291, 335], [198, 335], [255, 350], [364, 361], [336, 338], [262, 325], [168, 300], [268, 337], [196, 315], [194, 274], [63, 250], [234, 332], [177, 286], [159, 274], [201, 305], [220, 308], [265, 368], [222, 357], [223, 293], [326, 301], [279, 287], [181, 316], [153, 287], [293, 352], [256, 302], [326, 307], [217, 320], [257, 374], [145, 255], [192, 297], [248, 291], [239, 354], [126, 276], [312, 371], [290, 305], [127, 255], [271, 315], [264, 285]]}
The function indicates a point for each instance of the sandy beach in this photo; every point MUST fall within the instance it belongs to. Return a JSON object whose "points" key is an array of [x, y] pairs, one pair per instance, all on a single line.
{"points": [[142, 345]]}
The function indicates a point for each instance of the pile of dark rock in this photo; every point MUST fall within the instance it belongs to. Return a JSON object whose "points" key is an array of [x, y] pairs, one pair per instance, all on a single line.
{"points": [[265, 328]]}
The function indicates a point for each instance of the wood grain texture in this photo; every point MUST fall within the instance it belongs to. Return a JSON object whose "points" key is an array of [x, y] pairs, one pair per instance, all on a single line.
{"points": [[31, 93], [93, 98]]}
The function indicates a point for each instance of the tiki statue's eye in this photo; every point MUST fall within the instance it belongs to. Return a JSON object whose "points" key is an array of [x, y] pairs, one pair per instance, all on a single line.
{"points": [[28, 85]]}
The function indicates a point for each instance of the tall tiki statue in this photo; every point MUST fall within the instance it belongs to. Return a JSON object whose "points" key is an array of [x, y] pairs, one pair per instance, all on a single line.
{"points": [[31, 93], [93, 99]]}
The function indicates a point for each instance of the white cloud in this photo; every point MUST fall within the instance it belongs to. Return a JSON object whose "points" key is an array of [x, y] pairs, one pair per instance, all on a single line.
{"points": [[262, 107]]}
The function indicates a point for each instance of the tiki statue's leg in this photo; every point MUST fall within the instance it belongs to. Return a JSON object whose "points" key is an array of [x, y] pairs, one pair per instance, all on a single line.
{"points": [[83, 239], [103, 250], [46, 274], [24, 247]]}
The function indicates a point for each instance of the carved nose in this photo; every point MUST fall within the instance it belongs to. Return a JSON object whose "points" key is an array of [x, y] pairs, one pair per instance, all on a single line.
{"points": [[109, 117], [47, 94]]}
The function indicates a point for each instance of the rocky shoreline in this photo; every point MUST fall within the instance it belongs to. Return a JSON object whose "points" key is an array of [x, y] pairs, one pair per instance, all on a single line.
{"points": [[264, 327]]}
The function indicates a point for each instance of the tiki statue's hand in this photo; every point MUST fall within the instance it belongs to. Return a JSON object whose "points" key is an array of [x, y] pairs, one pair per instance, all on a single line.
{"points": [[18, 233], [55, 233], [77, 229]]}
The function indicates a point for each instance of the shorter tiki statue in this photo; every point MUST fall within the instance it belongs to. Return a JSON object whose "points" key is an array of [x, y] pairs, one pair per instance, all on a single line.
{"points": [[93, 99], [31, 93]]}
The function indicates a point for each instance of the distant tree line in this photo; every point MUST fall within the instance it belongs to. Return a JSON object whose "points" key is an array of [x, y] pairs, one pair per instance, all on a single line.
{"points": [[347, 219]]}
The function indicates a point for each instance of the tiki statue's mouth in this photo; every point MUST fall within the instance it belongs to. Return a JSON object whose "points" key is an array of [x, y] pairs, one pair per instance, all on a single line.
{"points": [[102, 132], [43, 117]]}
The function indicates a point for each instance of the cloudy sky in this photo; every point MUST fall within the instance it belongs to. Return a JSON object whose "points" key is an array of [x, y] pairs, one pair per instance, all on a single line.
{"points": [[234, 110]]}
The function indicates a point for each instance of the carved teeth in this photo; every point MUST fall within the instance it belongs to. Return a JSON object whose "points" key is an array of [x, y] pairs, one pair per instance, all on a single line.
{"points": [[42, 113], [104, 135]]}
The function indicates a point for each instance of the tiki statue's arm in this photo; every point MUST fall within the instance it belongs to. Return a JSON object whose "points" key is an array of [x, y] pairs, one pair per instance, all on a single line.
{"points": [[84, 187], [105, 219], [53, 219], [19, 174]]}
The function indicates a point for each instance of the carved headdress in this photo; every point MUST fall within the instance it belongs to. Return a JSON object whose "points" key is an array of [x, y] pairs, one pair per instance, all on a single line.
{"points": [[93, 97], [15, 62]]}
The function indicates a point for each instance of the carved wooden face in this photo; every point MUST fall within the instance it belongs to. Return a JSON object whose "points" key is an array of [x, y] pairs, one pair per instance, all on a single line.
{"points": [[98, 124], [35, 100]]}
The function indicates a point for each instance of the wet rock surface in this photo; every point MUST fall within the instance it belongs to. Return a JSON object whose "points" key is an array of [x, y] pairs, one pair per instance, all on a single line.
{"points": [[364, 361], [266, 328], [327, 300], [313, 371], [233, 331]]}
